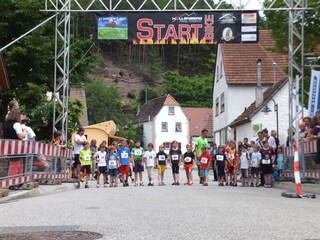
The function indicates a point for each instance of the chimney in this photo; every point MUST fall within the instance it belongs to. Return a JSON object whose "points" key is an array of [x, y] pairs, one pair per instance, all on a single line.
{"points": [[259, 92]]}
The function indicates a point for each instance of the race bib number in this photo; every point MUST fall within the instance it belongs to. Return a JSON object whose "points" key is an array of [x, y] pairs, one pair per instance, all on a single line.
{"points": [[162, 158], [265, 161], [102, 157], [175, 157], [231, 156], [124, 155], [187, 159], [150, 157], [137, 152], [112, 163], [219, 158], [204, 160], [253, 163], [87, 157]]}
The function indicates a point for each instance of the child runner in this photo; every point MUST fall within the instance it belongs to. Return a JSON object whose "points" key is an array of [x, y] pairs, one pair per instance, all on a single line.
{"points": [[102, 164], [244, 165], [188, 164], [114, 164], [175, 158], [280, 160], [136, 159], [85, 160], [219, 164], [268, 157], [124, 156], [149, 157], [161, 161], [255, 165], [205, 159], [232, 155]]}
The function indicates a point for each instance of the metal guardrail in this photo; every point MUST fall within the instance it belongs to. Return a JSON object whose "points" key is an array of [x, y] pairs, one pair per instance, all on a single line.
{"points": [[24, 161], [307, 155]]}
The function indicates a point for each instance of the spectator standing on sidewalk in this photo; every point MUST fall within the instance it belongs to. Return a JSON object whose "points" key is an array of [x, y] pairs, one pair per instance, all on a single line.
{"points": [[79, 140]]}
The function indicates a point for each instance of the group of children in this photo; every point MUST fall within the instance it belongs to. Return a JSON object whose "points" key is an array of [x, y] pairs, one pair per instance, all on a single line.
{"points": [[114, 161]]}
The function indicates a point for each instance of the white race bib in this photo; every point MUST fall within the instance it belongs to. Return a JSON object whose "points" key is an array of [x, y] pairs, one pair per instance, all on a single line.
{"points": [[162, 157], [102, 157], [124, 155], [87, 157], [231, 156], [187, 159], [204, 160], [175, 157], [265, 161], [112, 163], [137, 152], [219, 158]]}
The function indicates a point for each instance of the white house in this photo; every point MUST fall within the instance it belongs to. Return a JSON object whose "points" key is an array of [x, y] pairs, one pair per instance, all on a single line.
{"points": [[276, 98], [235, 80], [163, 121]]}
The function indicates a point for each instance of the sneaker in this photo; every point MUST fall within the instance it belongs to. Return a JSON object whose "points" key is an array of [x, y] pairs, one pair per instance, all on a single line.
{"points": [[135, 184], [86, 186], [186, 183], [159, 184], [235, 185], [163, 183], [190, 183], [141, 184], [205, 184], [174, 183], [252, 185], [177, 183], [149, 184], [227, 184]]}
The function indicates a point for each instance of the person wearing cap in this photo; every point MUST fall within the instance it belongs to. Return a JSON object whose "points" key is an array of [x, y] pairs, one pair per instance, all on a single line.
{"points": [[79, 140]]}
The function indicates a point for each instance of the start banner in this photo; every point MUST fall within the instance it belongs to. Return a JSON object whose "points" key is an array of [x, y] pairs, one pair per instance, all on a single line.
{"points": [[177, 27]]}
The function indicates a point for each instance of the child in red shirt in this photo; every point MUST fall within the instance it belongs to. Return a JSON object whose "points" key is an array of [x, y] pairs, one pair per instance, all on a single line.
{"points": [[232, 155], [205, 160]]}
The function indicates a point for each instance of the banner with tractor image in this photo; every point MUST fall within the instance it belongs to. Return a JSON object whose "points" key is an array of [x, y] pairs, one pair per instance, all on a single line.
{"points": [[177, 27]]}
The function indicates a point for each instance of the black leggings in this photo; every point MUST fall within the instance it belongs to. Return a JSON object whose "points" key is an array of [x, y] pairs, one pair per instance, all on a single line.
{"points": [[175, 168]]}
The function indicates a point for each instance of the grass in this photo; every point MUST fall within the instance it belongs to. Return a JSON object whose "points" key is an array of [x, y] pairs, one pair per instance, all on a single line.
{"points": [[110, 33]]}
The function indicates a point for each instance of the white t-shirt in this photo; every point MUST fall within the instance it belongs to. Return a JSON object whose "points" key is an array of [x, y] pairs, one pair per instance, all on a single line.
{"points": [[18, 128], [272, 142], [30, 133], [150, 156], [255, 159], [245, 160], [102, 158], [78, 147]]}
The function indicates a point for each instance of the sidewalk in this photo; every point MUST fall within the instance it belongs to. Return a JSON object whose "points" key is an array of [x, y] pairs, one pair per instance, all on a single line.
{"points": [[41, 190], [291, 186]]}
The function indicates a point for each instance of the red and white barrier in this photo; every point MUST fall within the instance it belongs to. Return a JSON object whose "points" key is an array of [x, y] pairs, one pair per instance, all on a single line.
{"points": [[20, 180], [18, 147], [307, 147], [297, 172]]}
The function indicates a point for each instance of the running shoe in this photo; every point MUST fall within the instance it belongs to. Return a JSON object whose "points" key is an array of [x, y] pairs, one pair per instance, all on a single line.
{"points": [[86, 186], [177, 183], [190, 183], [186, 183], [174, 183], [141, 184], [205, 184]]}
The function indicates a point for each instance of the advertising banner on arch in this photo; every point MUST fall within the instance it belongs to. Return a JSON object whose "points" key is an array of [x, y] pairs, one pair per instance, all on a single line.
{"points": [[314, 94], [177, 27]]}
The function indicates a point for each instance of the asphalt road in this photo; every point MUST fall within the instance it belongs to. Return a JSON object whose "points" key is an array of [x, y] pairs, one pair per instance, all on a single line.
{"points": [[167, 212]]}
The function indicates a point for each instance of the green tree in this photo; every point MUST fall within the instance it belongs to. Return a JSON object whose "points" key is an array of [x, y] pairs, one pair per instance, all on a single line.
{"points": [[189, 92], [103, 102], [148, 94]]}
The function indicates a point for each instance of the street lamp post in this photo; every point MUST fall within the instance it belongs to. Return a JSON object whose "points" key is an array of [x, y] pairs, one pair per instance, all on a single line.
{"points": [[266, 110]]}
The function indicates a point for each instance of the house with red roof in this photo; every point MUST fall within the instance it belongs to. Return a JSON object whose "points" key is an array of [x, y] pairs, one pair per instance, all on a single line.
{"points": [[235, 85], [163, 121]]}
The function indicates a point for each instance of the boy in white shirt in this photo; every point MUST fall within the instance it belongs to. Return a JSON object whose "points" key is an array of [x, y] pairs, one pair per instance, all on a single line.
{"points": [[255, 165], [102, 164], [244, 165], [149, 159]]}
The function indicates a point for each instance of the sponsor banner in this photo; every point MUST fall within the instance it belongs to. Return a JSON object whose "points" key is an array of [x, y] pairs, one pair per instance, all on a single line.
{"points": [[314, 94], [177, 27]]}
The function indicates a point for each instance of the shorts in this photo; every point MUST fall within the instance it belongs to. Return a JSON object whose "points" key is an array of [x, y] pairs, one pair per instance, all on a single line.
{"points": [[124, 169], [175, 168], [86, 168], [205, 172], [113, 172], [221, 171], [161, 168], [188, 167], [138, 167], [150, 172], [232, 169], [102, 170], [76, 160], [244, 173], [255, 171]]}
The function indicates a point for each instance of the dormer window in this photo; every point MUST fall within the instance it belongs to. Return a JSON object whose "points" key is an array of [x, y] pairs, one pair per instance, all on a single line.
{"points": [[171, 111]]}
